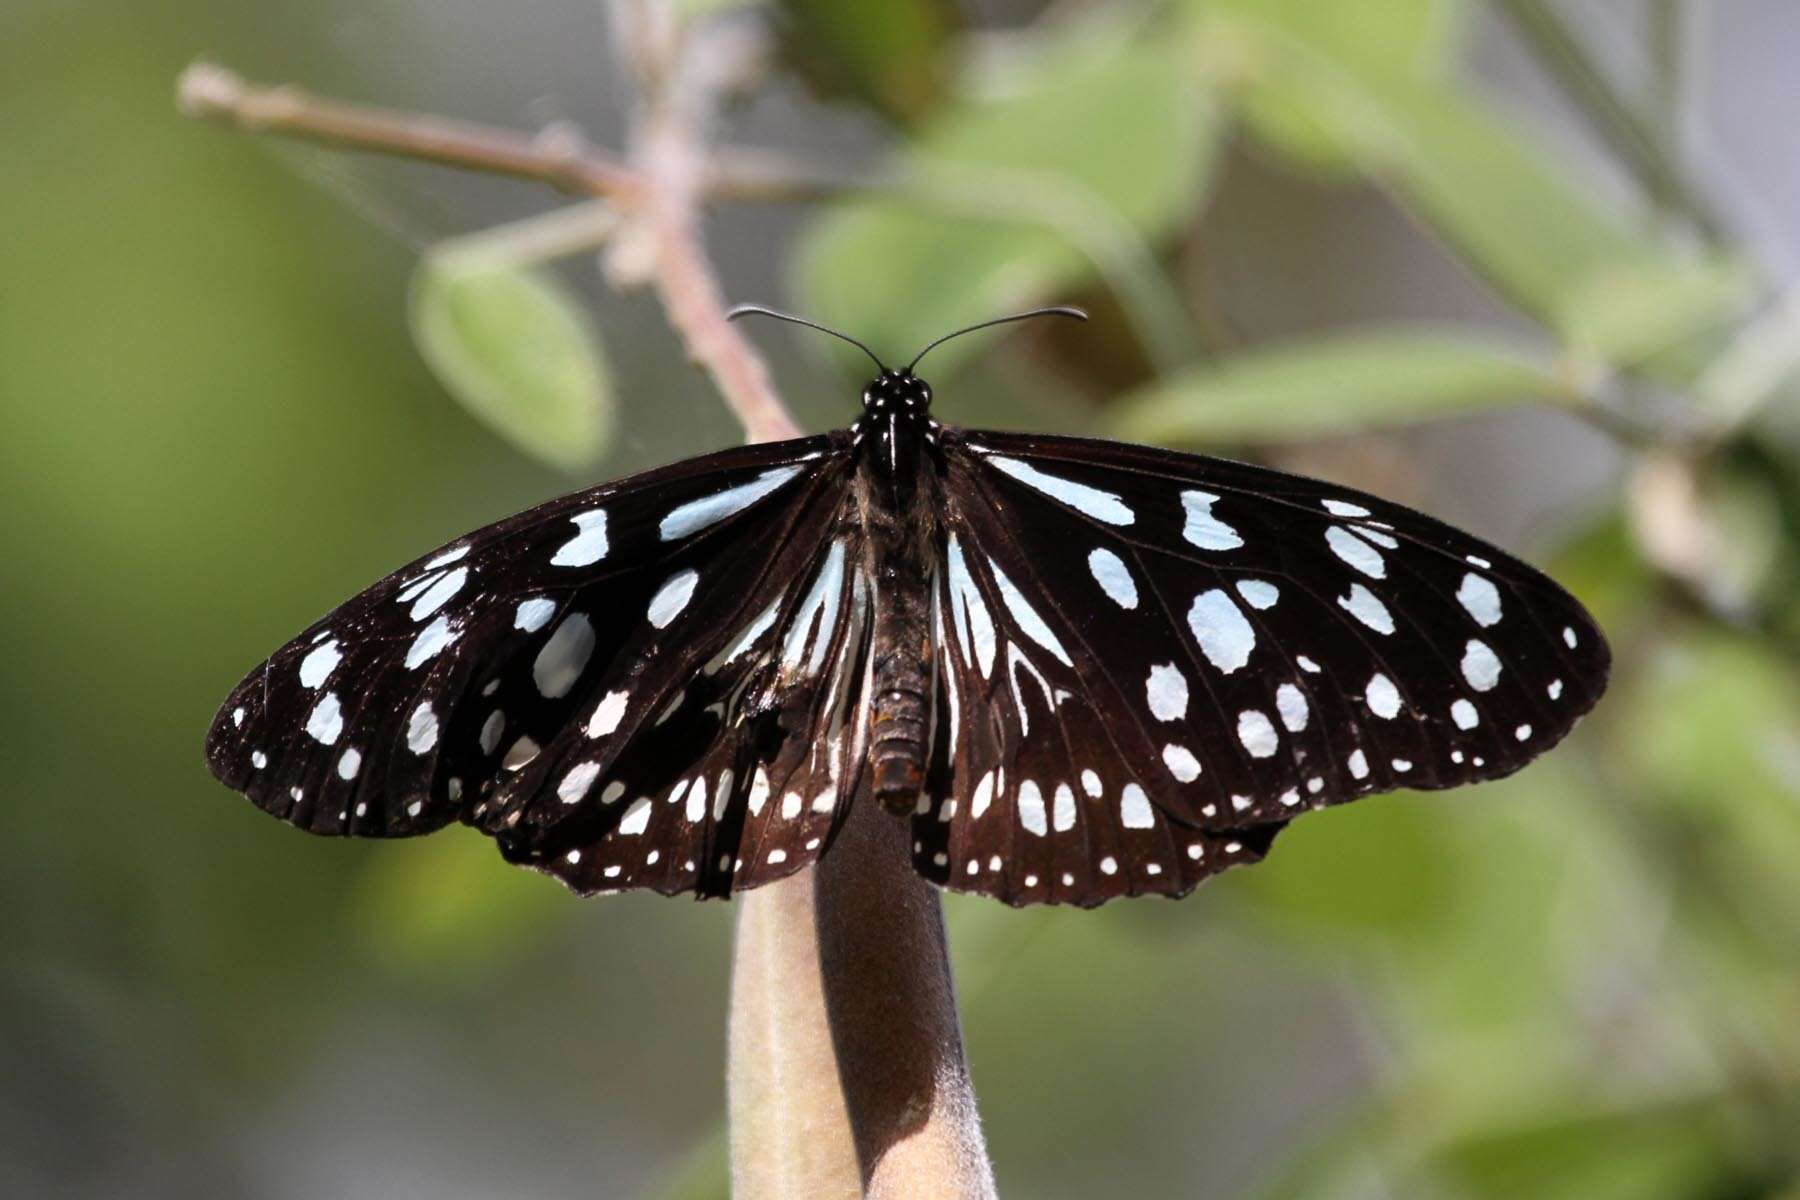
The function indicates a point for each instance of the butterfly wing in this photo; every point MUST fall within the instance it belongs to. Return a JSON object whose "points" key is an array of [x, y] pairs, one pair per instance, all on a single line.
{"points": [[450, 689], [1150, 661]]}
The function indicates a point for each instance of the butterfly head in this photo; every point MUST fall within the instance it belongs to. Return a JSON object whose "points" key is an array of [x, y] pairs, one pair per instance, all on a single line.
{"points": [[895, 392]]}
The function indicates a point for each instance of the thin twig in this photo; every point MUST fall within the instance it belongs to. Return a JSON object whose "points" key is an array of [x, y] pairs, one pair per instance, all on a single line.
{"points": [[1638, 142], [557, 156], [663, 195]]}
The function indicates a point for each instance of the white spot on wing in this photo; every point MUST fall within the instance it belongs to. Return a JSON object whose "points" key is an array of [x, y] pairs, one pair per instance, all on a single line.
{"points": [[326, 721], [696, 515], [519, 753], [1290, 703], [431, 642], [1258, 593], [1090, 783], [1343, 508], [1359, 765], [607, 714], [636, 818], [1383, 697], [1114, 578], [1464, 714], [456, 554], [1222, 630], [491, 729], [315, 668], [984, 794], [1479, 666], [1181, 763], [1202, 528], [1134, 808], [1480, 598], [672, 597], [349, 764], [587, 547], [421, 729], [533, 614], [1167, 691], [573, 786], [439, 593], [564, 656], [974, 626], [1088, 501], [1062, 812], [822, 600], [1257, 734], [1362, 604], [1031, 808], [752, 633], [1357, 553], [1569, 638]]}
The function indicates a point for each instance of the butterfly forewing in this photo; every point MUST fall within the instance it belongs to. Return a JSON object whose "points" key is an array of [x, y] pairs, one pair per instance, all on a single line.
{"points": [[1155, 657], [431, 695]]}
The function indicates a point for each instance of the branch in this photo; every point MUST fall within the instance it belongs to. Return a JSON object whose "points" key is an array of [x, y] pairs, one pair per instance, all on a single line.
{"points": [[556, 157], [664, 197]]}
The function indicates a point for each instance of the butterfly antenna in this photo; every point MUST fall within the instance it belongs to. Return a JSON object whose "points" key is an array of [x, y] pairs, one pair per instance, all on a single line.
{"points": [[1057, 310], [757, 310]]}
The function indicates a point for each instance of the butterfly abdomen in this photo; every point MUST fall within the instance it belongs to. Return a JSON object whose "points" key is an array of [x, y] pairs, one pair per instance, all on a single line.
{"points": [[901, 721], [897, 476]]}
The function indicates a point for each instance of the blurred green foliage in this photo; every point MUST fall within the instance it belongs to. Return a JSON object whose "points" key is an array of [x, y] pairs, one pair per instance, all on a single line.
{"points": [[511, 346], [1579, 982]]}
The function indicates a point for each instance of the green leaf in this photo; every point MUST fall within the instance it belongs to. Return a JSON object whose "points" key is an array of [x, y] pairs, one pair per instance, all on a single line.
{"points": [[1337, 384], [1014, 198], [1628, 311], [890, 56], [1519, 215], [1673, 1152], [512, 346], [1376, 38]]}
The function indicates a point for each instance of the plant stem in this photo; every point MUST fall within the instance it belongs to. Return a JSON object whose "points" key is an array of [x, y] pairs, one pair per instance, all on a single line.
{"points": [[893, 1015], [556, 157]]}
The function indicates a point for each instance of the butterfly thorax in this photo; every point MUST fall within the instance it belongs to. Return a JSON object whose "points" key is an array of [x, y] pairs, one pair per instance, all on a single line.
{"points": [[897, 476]]}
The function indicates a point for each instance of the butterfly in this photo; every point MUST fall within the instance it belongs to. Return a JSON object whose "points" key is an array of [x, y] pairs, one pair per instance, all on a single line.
{"points": [[1078, 669]]}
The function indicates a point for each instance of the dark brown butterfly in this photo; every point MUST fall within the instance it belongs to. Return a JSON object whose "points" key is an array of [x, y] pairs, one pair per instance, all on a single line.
{"points": [[1080, 669]]}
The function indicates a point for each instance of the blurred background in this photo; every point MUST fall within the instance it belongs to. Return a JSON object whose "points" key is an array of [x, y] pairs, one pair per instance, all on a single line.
{"points": [[1530, 266]]}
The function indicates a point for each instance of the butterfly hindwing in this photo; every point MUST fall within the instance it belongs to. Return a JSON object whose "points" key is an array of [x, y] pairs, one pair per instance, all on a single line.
{"points": [[732, 770], [1162, 647], [415, 701]]}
